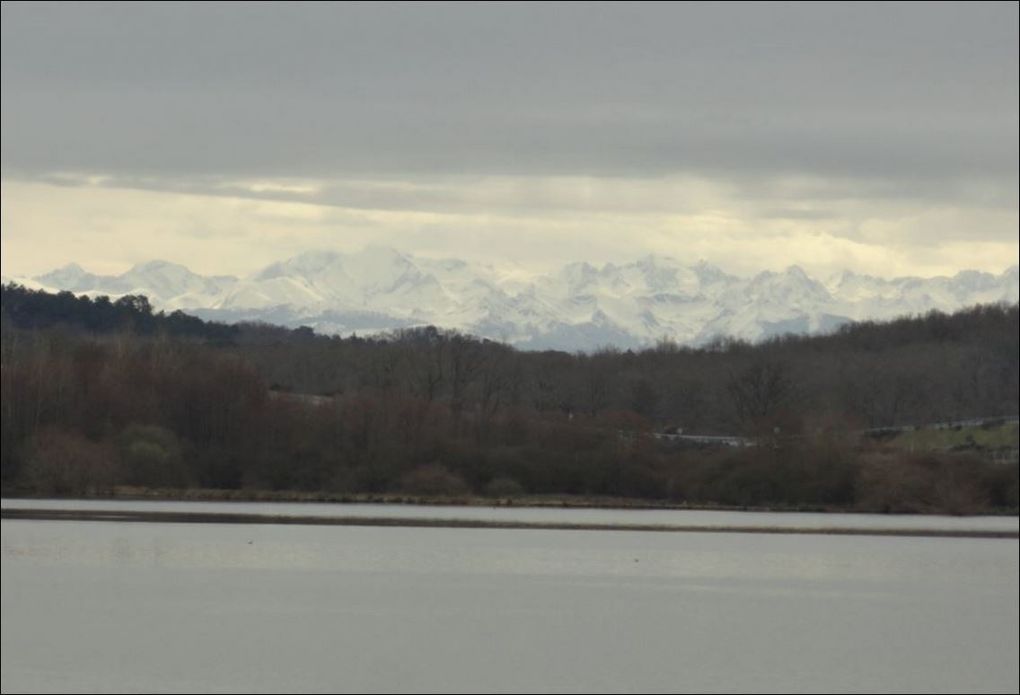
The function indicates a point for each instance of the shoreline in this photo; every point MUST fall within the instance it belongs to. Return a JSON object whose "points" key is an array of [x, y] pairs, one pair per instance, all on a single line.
{"points": [[98, 515], [138, 494]]}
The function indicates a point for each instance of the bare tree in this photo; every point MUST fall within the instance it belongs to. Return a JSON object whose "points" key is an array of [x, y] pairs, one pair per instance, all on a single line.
{"points": [[426, 356], [759, 391], [464, 357]]}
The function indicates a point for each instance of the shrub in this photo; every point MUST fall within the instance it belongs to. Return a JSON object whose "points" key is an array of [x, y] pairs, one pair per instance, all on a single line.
{"points": [[927, 483], [65, 463], [433, 480], [151, 456], [504, 487]]}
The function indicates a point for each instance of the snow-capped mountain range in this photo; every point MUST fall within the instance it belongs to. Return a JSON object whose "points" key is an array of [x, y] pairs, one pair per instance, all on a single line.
{"points": [[578, 307]]}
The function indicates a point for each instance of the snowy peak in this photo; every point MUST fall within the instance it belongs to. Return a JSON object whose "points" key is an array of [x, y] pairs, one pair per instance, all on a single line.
{"points": [[579, 277], [791, 287], [167, 279], [579, 306], [70, 277], [709, 275], [69, 272], [659, 274], [168, 285], [381, 270], [171, 285]]}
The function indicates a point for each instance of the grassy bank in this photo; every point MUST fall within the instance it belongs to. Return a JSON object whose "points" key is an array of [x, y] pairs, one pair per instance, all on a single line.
{"points": [[1002, 438]]}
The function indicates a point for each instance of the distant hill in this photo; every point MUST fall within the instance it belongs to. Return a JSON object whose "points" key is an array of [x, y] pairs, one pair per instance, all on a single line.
{"points": [[26, 308]]}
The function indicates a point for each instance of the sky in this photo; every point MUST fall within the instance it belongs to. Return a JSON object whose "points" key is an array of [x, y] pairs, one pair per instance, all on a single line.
{"points": [[880, 138]]}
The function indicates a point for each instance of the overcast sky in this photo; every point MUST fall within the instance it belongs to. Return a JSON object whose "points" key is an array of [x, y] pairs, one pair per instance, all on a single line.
{"points": [[881, 138]]}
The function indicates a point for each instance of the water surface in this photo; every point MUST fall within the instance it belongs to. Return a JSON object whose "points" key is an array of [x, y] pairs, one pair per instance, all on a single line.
{"points": [[220, 607]]}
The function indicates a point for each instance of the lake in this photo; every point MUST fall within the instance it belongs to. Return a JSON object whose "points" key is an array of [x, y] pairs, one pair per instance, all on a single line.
{"points": [[101, 606]]}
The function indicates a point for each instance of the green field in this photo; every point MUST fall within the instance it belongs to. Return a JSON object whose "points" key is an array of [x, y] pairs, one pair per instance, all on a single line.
{"points": [[994, 438]]}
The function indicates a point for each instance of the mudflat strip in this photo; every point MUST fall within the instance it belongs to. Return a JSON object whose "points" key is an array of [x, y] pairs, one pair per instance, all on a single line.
{"points": [[167, 517]]}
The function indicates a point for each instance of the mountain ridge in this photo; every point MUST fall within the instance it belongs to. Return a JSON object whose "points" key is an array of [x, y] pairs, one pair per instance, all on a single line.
{"points": [[579, 306]]}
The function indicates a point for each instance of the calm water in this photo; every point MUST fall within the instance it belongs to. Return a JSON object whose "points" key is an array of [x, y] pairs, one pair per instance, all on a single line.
{"points": [[139, 606]]}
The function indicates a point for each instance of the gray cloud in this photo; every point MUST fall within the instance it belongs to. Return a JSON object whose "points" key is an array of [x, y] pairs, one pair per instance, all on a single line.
{"points": [[905, 92], [882, 137]]}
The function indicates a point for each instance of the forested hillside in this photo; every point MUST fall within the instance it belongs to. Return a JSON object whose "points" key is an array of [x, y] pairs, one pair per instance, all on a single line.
{"points": [[99, 394]]}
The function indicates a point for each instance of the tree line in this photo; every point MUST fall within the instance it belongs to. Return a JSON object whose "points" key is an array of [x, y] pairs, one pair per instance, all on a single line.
{"points": [[98, 394], [35, 309]]}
